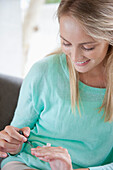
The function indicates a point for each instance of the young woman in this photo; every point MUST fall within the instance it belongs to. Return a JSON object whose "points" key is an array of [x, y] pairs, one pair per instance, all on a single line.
{"points": [[67, 98]]}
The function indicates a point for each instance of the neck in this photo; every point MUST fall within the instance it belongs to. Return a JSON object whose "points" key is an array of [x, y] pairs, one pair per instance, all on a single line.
{"points": [[94, 80]]}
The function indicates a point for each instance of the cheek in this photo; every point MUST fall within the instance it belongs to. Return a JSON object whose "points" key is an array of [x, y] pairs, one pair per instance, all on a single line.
{"points": [[99, 54], [66, 50], [93, 55], [96, 57]]}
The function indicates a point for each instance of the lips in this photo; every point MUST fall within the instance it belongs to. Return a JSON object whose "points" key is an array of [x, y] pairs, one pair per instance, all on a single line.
{"points": [[82, 63]]}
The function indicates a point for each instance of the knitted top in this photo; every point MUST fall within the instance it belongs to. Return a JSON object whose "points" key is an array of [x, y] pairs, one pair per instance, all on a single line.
{"points": [[44, 105]]}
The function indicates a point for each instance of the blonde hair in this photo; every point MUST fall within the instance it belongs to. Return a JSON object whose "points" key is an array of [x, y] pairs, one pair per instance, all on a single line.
{"points": [[96, 17]]}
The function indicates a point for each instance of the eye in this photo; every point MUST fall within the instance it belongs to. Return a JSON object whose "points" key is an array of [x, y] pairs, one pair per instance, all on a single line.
{"points": [[66, 44], [88, 49]]}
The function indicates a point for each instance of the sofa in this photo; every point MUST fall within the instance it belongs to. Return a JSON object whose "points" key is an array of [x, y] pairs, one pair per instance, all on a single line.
{"points": [[9, 91]]}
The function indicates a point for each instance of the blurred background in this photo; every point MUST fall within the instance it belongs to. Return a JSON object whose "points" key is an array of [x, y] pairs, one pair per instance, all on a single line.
{"points": [[29, 30]]}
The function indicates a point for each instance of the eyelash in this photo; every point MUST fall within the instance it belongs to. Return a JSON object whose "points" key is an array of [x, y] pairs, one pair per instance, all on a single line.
{"points": [[86, 49], [66, 44]]}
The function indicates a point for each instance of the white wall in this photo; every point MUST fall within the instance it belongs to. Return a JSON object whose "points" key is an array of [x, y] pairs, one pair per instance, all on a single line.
{"points": [[10, 37], [43, 41]]}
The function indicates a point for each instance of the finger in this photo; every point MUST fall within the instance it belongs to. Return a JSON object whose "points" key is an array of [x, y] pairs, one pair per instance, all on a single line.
{"points": [[41, 149], [47, 156], [5, 136], [40, 154], [26, 131], [13, 132], [35, 149], [7, 147], [3, 154], [48, 149], [9, 150], [44, 159], [52, 153]]}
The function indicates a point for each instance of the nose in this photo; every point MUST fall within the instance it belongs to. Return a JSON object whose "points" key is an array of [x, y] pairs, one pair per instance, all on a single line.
{"points": [[75, 54]]}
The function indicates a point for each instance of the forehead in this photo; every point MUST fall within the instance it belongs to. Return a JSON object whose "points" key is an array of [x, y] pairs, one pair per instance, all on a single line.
{"points": [[71, 28]]}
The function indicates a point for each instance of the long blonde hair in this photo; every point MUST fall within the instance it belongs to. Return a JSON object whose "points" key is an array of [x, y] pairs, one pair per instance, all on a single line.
{"points": [[96, 17]]}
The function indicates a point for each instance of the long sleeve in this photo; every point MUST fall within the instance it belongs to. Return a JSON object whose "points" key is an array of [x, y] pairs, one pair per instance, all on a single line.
{"points": [[105, 167], [29, 103], [44, 105]]}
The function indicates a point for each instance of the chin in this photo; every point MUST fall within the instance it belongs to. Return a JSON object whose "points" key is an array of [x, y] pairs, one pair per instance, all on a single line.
{"points": [[82, 70]]}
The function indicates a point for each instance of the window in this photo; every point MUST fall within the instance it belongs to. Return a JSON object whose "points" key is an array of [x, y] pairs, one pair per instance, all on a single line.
{"points": [[52, 1]]}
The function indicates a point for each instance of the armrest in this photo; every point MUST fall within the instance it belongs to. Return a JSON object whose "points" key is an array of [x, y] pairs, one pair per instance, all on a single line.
{"points": [[9, 91]]}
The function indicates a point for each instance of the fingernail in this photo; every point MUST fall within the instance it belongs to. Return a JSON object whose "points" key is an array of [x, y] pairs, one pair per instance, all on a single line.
{"points": [[33, 152], [4, 154], [32, 149], [27, 133], [24, 139], [48, 144]]}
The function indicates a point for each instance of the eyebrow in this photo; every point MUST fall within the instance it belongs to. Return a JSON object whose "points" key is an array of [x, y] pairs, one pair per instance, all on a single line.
{"points": [[90, 42]]}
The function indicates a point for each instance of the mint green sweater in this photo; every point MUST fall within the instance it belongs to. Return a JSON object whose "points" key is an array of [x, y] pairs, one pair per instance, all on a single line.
{"points": [[44, 105]]}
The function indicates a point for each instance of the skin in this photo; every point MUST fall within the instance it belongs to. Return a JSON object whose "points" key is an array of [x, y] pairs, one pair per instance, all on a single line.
{"points": [[54, 155], [11, 141], [81, 47], [57, 157]]}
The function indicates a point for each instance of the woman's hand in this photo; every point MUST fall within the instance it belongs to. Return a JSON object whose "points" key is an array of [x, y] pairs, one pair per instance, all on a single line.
{"points": [[57, 157], [11, 141]]}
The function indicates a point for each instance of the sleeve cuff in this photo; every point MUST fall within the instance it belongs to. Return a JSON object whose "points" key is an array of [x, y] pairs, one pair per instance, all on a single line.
{"points": [[104, 167]]}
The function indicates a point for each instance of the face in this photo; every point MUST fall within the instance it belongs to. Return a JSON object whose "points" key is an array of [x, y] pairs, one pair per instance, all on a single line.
{"points": [[86, 53]]}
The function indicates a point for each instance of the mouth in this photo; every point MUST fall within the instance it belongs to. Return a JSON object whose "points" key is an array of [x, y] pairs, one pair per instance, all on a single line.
{"points": [[82, 63]]}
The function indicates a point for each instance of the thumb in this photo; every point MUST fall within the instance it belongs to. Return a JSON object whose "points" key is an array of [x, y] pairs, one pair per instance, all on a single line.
{"points": [[26, 131], [3, 154]]}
